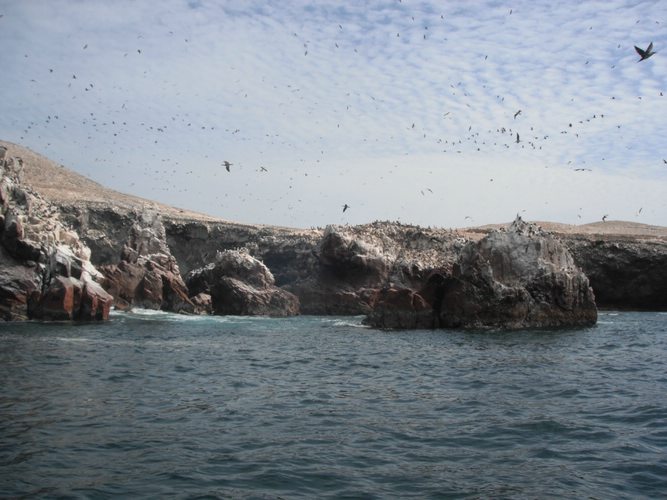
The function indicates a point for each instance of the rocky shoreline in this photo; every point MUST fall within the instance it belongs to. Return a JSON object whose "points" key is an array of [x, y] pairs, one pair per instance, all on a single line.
{"points": [[70, 248]]}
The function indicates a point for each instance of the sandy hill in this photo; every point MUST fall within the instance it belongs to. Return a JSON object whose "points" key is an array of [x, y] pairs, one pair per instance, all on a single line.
{"points": [[61, 185]]}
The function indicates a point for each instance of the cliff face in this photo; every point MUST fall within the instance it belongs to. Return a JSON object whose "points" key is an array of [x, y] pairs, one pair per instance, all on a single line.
{"points": [[144, 251], [45, 270], [521, 277], [626, 273]]}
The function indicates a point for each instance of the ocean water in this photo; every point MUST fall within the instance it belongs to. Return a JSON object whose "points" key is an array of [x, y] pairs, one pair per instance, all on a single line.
{"points": [[154, 405]]}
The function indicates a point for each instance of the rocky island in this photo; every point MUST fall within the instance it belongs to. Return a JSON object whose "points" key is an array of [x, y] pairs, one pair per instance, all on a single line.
{"points": [[70, 248]]}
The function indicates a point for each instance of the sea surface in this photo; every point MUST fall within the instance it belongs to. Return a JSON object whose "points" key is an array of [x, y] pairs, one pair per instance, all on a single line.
{"points": [[154, 405]]}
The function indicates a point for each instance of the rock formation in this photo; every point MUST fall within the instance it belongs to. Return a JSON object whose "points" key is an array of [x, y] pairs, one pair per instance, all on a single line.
{"points": [[56, 224], [148, 275], [46, 271], [519, 278], [625, 272], [241, 285]]}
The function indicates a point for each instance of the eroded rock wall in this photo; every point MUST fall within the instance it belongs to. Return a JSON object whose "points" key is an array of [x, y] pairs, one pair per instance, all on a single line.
{"points": [[45, 270]]}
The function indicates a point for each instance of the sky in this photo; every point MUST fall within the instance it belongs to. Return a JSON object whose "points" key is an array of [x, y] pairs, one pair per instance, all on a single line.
{"points": [[447, 114]]}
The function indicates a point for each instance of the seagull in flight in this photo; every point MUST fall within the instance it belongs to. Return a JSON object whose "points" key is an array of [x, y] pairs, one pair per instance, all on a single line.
{"points": [[645, 54], [517, 114], [345, 207], [227, 165]]}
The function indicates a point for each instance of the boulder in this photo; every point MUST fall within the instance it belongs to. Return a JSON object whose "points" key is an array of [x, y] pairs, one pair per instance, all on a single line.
{"points": [[519, 278], [95, 303], [239, 284]]}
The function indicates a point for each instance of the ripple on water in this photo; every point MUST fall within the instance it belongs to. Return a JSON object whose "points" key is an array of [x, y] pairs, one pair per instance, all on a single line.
{"points": [[151, 403]]}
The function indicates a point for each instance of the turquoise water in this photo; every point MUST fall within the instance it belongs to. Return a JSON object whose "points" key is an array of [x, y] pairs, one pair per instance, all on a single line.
{"points": [[152, 405]]}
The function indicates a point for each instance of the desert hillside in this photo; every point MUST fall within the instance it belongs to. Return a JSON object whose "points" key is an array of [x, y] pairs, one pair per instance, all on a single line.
{"points": [[57, 183]]}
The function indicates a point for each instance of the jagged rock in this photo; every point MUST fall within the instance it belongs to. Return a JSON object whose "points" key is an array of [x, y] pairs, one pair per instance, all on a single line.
{"points": [[45, 266], [122, 282], [348, 273], [60, 301], [519, 278], [95, 303], [147, 275], [241, 285], [146, 284]]}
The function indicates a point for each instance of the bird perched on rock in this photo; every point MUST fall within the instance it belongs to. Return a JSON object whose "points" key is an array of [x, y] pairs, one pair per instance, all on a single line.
{"points": [[604, 218], [645, 54], [227, 165]]}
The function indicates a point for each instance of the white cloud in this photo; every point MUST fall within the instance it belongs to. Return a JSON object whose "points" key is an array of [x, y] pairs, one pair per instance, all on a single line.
{"points": [[328, 89]]}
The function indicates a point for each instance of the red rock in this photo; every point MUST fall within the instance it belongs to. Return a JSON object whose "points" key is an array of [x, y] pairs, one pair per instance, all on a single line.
{"points": [[60, 301], [95, 303]]}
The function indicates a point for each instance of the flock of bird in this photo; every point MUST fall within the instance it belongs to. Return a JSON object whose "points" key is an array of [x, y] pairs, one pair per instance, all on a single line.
{"points": [[502, 136]]}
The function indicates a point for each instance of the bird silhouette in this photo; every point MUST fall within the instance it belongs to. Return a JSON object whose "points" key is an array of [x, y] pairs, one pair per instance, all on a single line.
{"points": [[645, 54], [345, 207], [517, 114], [227, 165], [604, 218]]}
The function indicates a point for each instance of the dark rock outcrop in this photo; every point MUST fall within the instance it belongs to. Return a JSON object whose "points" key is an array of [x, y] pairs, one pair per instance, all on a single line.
{"points": [[625, 272], [519, 278], [239, 284], [56, 224]]}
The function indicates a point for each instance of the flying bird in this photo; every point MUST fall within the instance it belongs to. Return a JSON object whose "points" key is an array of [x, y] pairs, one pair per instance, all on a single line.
{"points": [[227, 165], [645, 54], [345, 207], [517, 114], [517, 137]]}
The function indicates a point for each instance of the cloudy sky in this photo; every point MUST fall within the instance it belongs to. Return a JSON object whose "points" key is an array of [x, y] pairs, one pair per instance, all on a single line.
{"points": [[404, 110]]}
